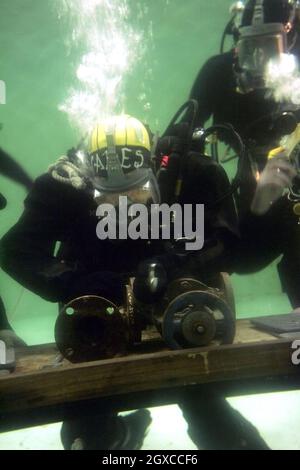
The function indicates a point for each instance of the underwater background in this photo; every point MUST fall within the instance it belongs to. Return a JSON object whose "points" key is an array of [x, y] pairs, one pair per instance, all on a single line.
{"points": [[50, 51]]}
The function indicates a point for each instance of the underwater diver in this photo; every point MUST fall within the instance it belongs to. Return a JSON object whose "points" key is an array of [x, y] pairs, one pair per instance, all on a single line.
{"points": [[231, 89], [12, 170], [62, 207]]}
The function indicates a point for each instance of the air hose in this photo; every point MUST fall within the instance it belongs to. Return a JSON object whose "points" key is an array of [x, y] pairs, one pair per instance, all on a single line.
{"points": [[228, 128]]}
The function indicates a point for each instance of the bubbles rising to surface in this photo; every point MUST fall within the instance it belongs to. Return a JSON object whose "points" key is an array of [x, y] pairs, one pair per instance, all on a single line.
{"points": [[282, 78], [108, 47]]}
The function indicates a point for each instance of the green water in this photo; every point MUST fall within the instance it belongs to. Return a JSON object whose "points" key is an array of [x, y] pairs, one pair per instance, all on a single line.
{"points": [[38, 71]]}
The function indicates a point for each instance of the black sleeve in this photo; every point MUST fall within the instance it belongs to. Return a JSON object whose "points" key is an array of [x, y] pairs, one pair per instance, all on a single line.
{"points": [[27, 250], [212, 85], [204, 91], [11, 169]]}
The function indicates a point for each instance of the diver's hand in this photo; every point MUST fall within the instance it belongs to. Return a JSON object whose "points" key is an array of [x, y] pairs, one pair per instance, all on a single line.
{"points": [[11, 340], [277, 176]]}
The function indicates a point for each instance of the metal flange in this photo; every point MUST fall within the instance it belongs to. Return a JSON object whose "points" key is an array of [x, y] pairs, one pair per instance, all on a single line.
{"points": [[195, 318], [91, 328]]}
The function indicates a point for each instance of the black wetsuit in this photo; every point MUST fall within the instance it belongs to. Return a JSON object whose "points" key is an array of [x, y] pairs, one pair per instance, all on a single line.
{"points": [[263, 238]]}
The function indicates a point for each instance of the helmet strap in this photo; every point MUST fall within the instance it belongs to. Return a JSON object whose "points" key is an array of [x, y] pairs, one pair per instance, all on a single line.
{"points": [[114, 167], [258, 15]]}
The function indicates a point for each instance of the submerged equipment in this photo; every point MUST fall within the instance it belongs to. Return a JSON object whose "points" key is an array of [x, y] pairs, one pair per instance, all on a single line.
{"points": [[179, 139], [193, 314], [172, 151], [187, 314], [90, 328]]}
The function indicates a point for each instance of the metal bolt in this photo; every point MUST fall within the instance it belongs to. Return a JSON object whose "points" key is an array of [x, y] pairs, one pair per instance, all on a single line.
{"points": [[185, 284], [70, 311], [110, 311], [200, 329]]}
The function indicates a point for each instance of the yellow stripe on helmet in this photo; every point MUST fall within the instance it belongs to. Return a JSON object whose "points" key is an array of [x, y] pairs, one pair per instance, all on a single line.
{"points": [[128, 132]]}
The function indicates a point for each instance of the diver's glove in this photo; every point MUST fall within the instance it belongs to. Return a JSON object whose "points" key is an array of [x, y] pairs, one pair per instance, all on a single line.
{"points": [[10, 339], [277, 176]]}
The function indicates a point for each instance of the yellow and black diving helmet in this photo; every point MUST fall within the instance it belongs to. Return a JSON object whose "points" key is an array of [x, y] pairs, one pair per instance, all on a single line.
{"points": [[119, 162]]}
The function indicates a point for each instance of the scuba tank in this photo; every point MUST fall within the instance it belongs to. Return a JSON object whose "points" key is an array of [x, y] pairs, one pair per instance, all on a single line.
{"points": [[172, 150], [168, 176]]}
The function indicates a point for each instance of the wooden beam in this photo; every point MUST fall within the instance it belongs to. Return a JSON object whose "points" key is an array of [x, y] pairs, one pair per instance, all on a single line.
{"points": [[71, 383], [53, 414]]}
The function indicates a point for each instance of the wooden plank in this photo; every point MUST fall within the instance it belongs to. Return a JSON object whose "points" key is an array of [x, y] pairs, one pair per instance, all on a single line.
{"points": [[46, 356], [53, 414], [247, 333], [71, 383], [41, 379]]}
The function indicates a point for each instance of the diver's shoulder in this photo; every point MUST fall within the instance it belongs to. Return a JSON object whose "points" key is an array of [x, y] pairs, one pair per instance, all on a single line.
{"points": [[45, 185], [61, 199], [46, 181], [220, 60]]}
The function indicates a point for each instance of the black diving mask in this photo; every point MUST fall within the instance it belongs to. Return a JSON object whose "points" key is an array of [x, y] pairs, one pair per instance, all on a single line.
{"points": [[258, 46]]}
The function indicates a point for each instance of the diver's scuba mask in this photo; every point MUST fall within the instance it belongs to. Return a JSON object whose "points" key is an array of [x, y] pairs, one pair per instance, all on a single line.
{"points": [[259, 44], [140, 187]]}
